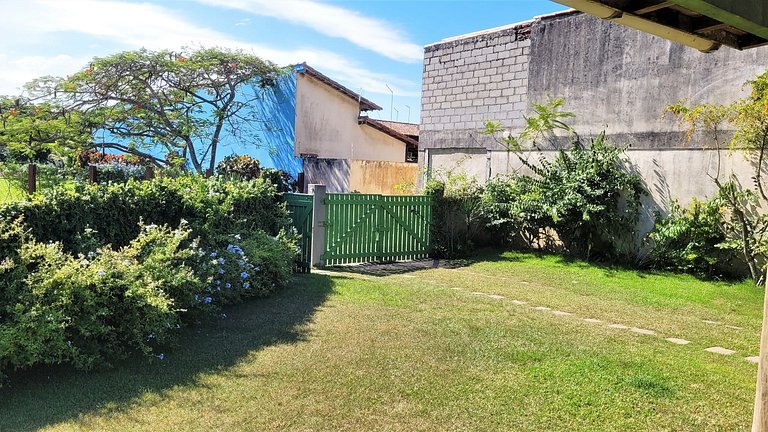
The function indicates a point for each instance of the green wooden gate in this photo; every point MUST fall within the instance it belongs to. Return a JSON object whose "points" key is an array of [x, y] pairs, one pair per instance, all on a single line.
{"points": [[368, 227], [300, 210]]}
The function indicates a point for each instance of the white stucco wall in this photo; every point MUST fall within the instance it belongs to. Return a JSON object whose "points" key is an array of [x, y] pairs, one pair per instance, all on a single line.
{"points": [[326, 125]]}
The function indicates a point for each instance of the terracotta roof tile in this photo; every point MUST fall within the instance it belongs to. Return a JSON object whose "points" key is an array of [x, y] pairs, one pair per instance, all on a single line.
{"points": [[380, 126], [410, 129]]}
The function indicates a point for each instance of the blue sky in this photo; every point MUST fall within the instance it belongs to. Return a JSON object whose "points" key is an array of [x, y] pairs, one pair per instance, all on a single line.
{"points": [[366, 45]]}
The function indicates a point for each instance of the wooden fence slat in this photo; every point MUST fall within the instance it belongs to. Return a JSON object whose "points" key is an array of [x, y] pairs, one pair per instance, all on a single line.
{"points": [[370, 227]]}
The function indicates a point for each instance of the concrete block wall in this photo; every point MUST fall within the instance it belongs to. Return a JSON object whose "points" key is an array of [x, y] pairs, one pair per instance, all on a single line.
{"points": [[613, 78], [470, 80]]}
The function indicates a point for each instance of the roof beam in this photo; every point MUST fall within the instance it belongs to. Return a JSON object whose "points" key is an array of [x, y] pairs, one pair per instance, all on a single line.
{"points": [[654, 8]]}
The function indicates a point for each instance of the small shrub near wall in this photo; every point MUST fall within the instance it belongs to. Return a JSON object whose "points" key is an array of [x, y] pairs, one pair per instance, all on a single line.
{"points": [[585, 201], [457, 215]]}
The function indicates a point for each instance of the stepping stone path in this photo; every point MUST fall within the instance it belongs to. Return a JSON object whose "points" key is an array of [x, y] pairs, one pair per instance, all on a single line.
{"points": [[676, 341], [720, 350]]}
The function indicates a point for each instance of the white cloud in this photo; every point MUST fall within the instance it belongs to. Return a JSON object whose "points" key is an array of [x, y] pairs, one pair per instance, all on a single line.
{"points": [[369, 33], [135, 25], [17, 71]]}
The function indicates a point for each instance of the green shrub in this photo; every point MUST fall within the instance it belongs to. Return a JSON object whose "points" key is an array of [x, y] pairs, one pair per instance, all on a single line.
{"points": [[118, 172], [241, 167], [457, 217], [90, 310], [113, 211], [706, 238], [85, 281], [64, 309], [585, 200]]}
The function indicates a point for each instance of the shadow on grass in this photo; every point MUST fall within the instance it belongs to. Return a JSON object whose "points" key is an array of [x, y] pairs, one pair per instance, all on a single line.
{"points": [[393, 268], [47, 396]]}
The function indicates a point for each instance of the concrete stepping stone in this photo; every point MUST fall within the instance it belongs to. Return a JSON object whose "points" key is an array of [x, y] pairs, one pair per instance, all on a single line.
{"points": [[456, 289], [519, 302], [496, 296], [678, 341], [408, 276], [477, 293], [592, 320], [720, 350], [542, 308], [734, 327], [710, 322], [525, 283], [642, 331], [753, 359], [561, 313], [618, 326]]}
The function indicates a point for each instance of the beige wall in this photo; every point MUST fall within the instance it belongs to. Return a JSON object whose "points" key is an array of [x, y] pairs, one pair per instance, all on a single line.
{"points": [[388, 178], [326, 125], [668, 174]]}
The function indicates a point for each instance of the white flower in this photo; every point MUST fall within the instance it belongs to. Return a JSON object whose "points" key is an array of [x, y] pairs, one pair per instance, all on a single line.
{"points": [[101, 272]]}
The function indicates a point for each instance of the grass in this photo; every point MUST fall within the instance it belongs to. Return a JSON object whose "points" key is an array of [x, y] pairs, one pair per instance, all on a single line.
{"points": [[419, 351]]}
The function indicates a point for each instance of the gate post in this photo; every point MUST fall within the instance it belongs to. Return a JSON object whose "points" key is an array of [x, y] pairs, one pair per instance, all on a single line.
{"points": [[318, 225]]}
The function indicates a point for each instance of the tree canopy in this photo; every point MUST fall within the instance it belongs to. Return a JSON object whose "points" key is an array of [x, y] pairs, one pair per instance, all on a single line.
{"points": [[165, 106]]}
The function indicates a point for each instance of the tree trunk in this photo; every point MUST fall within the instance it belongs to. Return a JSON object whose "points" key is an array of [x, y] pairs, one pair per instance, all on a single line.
{"points": [[760, 418]]}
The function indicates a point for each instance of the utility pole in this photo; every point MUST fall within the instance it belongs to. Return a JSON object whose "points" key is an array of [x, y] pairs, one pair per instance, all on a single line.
{"points": [[391, 103], [397, 117], [409, 113]]}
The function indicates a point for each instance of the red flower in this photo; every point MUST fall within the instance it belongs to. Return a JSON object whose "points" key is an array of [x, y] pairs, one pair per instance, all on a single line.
{"points": [[182, 59]]}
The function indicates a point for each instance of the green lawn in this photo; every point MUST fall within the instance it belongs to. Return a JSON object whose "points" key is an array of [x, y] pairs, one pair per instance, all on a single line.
{"points": [[420, 351]]}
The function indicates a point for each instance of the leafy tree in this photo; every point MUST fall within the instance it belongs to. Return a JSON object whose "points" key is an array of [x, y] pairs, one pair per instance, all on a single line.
{"points": [[32, 131], [744, 224], [179, 105]]}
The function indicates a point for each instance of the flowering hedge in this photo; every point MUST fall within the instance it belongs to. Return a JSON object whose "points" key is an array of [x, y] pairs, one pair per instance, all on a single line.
{"points": [[99, 290]]}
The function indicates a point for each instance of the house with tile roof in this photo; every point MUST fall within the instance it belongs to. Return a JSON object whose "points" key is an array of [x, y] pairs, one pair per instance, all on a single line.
{"points": [[316, 126]]}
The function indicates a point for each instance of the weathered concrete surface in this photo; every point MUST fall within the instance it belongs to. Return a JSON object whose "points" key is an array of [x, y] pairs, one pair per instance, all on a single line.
{"points": [[333, 173], [618, 79], [342, 175], [380, 177], [612, 77]]}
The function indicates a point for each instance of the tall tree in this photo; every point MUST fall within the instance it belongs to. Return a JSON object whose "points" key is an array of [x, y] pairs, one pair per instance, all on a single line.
{"points": [[168, 106], [35, 130]]}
